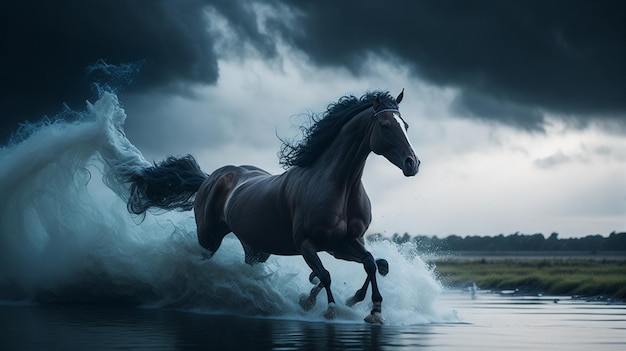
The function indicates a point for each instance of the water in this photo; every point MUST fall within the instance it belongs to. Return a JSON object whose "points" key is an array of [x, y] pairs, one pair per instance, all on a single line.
{"points": [[488, 322], [78, 271], [539, 323]]}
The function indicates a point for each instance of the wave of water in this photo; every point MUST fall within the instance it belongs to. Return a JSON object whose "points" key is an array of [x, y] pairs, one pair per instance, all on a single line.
{"points": [[66, 236]]}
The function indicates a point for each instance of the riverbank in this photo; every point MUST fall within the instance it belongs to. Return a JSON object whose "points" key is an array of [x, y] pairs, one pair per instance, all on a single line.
{"points": [[593, 277]]}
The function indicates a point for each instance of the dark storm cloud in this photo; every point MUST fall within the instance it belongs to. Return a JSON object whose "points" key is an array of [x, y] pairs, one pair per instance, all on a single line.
{"points": [[509, 58], [48, 47]]}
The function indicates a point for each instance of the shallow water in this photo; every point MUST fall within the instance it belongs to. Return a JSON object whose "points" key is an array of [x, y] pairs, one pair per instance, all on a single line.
{"points": [[486, 322]]}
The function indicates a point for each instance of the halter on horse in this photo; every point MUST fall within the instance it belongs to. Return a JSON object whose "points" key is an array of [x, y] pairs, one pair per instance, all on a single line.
{"points": [[318, 204]]}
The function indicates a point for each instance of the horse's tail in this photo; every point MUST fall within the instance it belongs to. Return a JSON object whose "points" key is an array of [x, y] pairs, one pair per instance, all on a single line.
{"points": [[171, 184]]}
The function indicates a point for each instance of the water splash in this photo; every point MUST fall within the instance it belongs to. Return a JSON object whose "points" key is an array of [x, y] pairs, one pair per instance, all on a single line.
{"points": [[66, 236]]}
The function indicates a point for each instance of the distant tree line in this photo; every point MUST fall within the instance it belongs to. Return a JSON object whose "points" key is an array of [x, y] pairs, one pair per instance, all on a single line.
{"points": [[512, 242]]}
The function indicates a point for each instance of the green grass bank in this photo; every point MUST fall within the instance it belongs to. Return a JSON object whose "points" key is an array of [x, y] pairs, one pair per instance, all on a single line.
{"points": [[588, 277]]}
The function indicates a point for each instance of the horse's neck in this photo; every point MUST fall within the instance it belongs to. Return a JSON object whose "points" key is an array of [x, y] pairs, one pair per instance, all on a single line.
{"points": [[344, 160]]}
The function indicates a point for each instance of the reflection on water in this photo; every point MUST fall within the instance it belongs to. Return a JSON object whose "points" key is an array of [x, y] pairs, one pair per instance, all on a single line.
{"points": [[489, 322]]}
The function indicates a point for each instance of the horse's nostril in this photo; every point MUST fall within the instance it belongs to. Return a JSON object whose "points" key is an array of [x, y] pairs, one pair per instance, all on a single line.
{"points": [[409, 163]]}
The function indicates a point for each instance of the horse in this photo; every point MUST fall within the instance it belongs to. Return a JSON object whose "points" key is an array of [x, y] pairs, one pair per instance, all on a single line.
{"points": [[318, 204]]}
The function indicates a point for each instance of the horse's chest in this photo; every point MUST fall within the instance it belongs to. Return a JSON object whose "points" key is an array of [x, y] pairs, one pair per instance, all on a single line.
{"points": [[330, 216], [333, 224]]}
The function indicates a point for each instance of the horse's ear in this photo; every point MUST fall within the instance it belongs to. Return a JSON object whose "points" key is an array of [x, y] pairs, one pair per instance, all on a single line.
{"points": [[399, 98], [376, 103]]}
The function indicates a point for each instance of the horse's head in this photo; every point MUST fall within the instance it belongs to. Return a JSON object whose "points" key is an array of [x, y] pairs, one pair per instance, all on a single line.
{"points": [[389, 135]]}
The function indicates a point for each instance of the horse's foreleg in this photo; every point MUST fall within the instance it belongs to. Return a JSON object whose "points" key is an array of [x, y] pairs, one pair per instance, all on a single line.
{"points": [[383, 269], [360, 294], [370, 268], [383, 266], [309, 253], [355, 251]]}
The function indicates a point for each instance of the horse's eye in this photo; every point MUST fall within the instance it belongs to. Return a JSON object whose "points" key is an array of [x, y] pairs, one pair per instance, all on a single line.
{"points": [[385, 125]]}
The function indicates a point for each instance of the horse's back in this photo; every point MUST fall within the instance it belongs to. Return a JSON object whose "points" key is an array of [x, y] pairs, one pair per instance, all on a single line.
{"points": [[214, 192]]}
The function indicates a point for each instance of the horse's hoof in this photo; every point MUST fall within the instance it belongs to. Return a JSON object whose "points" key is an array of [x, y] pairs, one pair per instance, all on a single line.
{"points": [[314, 279], [330, 311], [307, 302], [351, 301], [375, 318], [383, 266]]}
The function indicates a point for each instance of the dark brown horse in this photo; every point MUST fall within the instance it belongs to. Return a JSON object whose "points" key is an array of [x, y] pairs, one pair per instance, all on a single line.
{"points": [[318, 204]]}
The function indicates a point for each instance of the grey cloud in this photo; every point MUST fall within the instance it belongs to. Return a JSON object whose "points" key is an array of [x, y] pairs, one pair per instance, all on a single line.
{"points": [[552, 161], [489, 108], [611, 151], [614, 153], [603, 150]]}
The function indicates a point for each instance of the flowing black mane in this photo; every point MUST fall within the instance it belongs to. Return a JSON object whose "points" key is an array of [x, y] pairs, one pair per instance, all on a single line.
{"points": [[323, 131]]}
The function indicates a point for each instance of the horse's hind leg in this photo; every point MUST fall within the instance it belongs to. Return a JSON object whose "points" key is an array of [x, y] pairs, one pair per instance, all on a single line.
{"points": [[307, 302], [208, 210], [211, 238]]}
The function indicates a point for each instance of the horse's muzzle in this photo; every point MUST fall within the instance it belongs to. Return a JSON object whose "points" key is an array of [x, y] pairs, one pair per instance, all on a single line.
{"points": [[411, 166]]}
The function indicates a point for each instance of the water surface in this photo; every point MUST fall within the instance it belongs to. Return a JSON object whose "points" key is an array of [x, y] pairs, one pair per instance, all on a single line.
{"points": [[486, 322]]}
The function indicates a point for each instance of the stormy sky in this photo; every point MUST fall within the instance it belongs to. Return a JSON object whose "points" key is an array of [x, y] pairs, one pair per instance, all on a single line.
{"points": [[517, 108]]}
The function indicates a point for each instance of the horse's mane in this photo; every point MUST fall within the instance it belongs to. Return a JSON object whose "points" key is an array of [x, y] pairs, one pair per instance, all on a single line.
{"points": [[322, 131]]}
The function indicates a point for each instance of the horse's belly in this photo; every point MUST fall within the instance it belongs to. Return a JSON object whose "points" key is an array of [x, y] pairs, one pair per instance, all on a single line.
{"points": [[270, 243], [271, 240], [262, 228]]}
